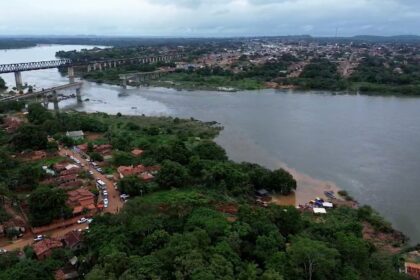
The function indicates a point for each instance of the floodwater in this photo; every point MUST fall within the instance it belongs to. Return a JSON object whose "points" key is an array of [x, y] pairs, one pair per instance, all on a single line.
{"points": [[366, 145]]}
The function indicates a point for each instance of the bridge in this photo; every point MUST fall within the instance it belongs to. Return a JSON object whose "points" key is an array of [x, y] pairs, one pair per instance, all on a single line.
{"points": [[44, 94], [142, 76], [29, 66], [17, 68]]}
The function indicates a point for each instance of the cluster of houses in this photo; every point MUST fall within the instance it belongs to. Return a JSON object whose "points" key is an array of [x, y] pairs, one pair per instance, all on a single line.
{"points": [[64, 175], [104, 150], [72, 240]]}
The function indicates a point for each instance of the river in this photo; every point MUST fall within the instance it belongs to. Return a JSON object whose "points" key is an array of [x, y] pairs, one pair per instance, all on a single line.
{"points": [[364, 144]]}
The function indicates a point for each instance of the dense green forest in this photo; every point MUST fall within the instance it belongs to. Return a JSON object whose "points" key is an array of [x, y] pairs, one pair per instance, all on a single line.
{"points": [[320, 74], [198, 218]]}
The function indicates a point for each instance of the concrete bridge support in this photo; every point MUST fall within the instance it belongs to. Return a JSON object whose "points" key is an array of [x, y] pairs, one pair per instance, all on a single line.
{"points": [[55, 101], [71, 74], [18, 78], [78, 95], [124, 83]]}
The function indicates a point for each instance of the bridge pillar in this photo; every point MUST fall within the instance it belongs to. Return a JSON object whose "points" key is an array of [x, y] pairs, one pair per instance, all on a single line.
{"points": [[78, 95], [89, 68], [18, 78], [71, 74], [55, 100], [115, 64], [100, 66], [124, 82]]}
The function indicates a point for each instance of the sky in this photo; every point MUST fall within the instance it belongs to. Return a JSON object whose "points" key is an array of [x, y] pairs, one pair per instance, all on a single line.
{"points": [[210, 18]]}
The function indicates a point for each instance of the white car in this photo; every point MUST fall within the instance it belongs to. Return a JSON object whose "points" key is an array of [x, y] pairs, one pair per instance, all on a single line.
{"points": [[105, 193], [39, 238], [3, 251], [91, 172], [82, 220]]}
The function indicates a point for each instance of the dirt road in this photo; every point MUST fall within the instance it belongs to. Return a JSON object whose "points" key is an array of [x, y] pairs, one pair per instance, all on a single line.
{"points": [[114, 206]]}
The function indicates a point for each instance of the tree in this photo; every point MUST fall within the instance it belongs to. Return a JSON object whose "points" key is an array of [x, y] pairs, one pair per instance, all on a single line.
{"points": [[37, 114], [31, 137], [282, 181], [96, 156], [133, 186], [210, 150], [2, 84], [172, 175], [46, 204], [312, 259]]}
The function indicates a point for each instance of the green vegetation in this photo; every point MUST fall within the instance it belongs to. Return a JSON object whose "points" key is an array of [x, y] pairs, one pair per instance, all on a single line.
{"points": [[180, 234], [320, 74], [185, 80], [15, 44], [47, 204], [2, 84], [196, 220], [380, 75]]}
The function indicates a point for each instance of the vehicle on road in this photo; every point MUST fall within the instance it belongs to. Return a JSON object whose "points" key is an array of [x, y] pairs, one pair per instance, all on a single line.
{"points": [[100, 184], [39, 238], [82, 220], [91, 172], [105, 193], [106, 202]]}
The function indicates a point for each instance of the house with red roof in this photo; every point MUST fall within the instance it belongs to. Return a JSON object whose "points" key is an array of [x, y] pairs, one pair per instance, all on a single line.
{"points": [[44, 248], [81, 199], [73, 240]]}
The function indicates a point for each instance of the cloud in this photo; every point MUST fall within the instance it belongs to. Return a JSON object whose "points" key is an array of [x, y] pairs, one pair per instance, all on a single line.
{"points": [[210, 17]]}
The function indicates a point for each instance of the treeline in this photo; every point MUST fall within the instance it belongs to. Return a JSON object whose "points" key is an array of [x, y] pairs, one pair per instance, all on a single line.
{"points": [[15, 44], [320, 74], [185, 235]]}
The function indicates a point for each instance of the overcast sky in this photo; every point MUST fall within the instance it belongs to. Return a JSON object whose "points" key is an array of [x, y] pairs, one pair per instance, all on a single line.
{"points": [[209, 17]]}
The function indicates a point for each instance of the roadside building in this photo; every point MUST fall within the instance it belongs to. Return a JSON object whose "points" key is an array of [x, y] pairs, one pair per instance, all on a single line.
{"points": [[73, 240], [104, 150], [81, 199], [142, 172], [44, 248], [412, 264], [75, 135]]}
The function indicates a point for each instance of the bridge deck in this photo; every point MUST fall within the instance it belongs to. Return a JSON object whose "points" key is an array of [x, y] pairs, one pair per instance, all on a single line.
{"points": [[29, 66], [42, 92]]}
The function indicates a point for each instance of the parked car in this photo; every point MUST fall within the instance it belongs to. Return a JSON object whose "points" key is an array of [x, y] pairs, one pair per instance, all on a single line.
{"points": [[82, 220], [91, 172], [39, 238], [105, 193]]}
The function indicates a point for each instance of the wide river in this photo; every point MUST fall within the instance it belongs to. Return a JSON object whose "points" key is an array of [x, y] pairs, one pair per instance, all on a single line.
{"points": [[367, 145]]}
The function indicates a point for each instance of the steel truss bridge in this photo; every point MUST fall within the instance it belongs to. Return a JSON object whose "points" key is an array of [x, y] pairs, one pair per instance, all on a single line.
{"points": [[29, 66]]}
